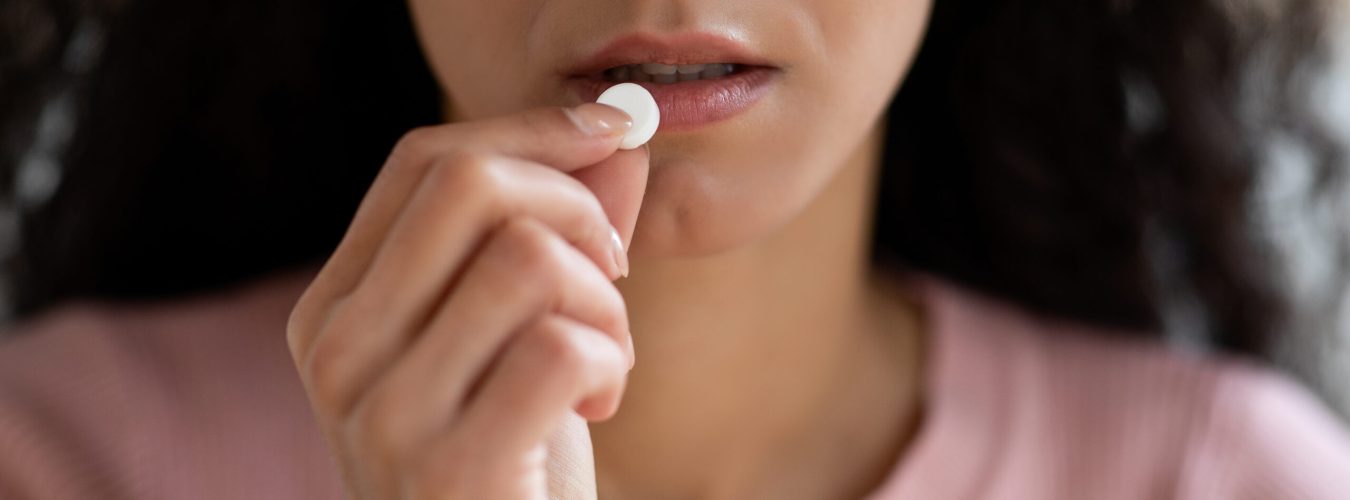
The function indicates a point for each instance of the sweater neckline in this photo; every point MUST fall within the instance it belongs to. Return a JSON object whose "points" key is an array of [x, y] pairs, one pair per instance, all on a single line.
{"points": [[969, 375]]}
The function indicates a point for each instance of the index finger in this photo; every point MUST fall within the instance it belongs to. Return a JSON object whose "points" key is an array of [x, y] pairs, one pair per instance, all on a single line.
{"points": [[562, 138]]}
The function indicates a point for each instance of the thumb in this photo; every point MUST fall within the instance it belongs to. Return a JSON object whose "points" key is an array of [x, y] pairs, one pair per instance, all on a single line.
{"points": [[619, 182]]}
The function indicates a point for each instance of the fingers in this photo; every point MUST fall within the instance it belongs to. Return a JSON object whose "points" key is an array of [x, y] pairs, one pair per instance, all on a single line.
{"points": [[525, 283], [476, 264], [522, 275], [557, 138], [542, 375], [562, 138], [556, 367], [447, 217], [619, 182]]}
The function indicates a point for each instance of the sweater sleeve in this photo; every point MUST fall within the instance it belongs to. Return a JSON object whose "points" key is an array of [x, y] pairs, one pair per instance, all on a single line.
{"points": [[36, 463], [197, 399], [1267, 437], [64, 412]]}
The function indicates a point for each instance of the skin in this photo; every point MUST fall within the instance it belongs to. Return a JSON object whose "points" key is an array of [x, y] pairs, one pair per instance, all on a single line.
{"points": [[465, 339]]}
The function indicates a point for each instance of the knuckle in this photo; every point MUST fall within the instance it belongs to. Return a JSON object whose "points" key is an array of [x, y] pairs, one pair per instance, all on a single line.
{"points": [[525, 250], [413, 142], [467, 176], [464, 166], [461, 170], [408, 158], [298, 330], [304, 321], [614, 316], [553, 350], [373, 429], [326, 371], [324, 381], [591, 213]]}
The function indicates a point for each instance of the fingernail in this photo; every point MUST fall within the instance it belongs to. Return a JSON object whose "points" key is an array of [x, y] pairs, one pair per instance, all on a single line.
{"points": [[599, 119], [620, 256]]}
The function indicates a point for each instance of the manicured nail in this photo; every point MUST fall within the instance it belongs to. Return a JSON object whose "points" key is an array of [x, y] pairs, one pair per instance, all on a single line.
{"points": [[620, 256], [599, 119]]}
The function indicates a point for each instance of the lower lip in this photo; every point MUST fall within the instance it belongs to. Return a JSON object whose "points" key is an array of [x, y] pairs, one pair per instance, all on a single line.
{"points": [[692, 104]]}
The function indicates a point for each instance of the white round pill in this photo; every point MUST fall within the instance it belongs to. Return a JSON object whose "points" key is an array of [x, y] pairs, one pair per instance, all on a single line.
{"points": [[640, 106]]}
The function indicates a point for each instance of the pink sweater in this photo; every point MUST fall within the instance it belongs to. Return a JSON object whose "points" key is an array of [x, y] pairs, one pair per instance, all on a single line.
{"points": [[198, 399]]}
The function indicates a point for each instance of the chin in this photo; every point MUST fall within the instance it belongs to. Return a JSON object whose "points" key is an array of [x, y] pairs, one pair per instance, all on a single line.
{"points": [[704, 208]]}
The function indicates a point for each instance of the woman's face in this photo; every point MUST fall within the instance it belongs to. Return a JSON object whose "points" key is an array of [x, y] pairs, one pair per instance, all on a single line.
{"points": [[737, 155]]}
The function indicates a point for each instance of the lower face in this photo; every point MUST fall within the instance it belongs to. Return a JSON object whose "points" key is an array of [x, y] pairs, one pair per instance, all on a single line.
{"points": [[766, 100]]}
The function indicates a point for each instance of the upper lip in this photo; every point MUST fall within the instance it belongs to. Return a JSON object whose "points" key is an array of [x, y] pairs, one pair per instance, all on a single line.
{"points": [[676, 49]]}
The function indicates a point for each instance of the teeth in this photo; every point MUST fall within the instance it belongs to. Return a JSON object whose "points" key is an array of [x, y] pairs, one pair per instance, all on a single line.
{"points": [[658, 69], [668, 73], [716, 70]]}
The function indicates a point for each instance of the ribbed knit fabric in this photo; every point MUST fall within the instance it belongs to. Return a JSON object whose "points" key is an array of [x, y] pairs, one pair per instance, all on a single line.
{"points": [[198, 399], [1026, 407]]}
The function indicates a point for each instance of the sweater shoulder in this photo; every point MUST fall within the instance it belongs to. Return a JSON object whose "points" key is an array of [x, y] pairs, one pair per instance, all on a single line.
{"points": [[192, 398], [75, 394], [1265, 436], [1093, 409]]}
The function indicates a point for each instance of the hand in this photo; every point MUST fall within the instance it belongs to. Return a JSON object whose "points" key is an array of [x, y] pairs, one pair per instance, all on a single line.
{"points": [[456, 341]]}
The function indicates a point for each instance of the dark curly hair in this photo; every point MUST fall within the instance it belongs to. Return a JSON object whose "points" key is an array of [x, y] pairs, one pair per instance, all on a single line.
{"points": [[1094, 159]]}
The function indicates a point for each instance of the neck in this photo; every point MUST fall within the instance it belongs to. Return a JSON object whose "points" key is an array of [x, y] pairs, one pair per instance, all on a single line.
{"points": [[781, 369]]}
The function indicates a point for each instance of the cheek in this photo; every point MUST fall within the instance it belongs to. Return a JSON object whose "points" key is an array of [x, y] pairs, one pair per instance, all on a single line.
{"points": [[869, 46], [475, 51]]}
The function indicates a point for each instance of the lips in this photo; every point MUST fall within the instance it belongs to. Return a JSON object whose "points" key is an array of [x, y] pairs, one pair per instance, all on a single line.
{"points": [[696, 78]]}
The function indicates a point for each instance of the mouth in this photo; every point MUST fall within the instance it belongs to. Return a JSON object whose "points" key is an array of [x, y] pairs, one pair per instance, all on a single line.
{"points": [[670, 73], [697, 79]]}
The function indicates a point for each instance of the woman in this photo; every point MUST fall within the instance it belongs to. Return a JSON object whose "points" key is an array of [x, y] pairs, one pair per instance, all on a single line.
{"points": [[901, 249]]}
